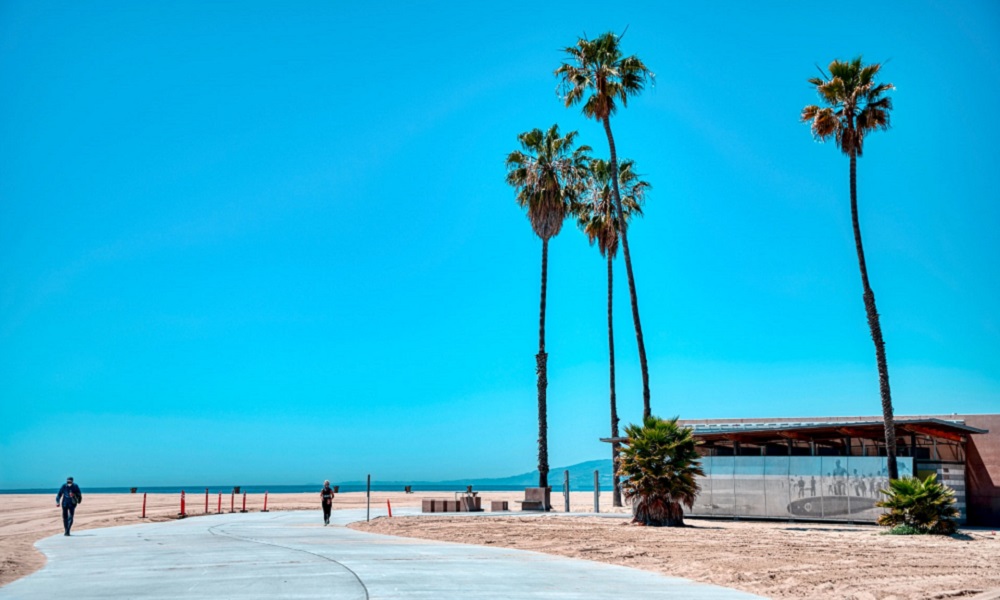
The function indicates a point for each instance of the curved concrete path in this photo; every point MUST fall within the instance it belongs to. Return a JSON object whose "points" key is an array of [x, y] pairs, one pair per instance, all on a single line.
{"points": [[291, 555]]}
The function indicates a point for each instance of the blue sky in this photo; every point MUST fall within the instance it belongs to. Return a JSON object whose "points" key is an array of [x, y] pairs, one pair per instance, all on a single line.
{"points": [[271, 242]]}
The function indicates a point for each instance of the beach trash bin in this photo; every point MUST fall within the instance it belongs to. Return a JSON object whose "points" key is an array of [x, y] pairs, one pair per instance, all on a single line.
{"points": [[133, 490], [336, 489], [236, 489]]}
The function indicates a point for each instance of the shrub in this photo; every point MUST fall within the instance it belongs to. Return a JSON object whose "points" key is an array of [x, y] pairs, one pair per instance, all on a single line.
{"points": [[905, 530], [923, 505], [659, 464]]}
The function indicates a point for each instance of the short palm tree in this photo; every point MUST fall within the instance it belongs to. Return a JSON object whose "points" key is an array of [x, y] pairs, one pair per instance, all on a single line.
{"points": [[598, 219], [856, 105], [549, 174], [602, 78], [923, 505], [659, 464]]}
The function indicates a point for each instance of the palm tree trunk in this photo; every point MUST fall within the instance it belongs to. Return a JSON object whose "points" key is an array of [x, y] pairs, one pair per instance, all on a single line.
{"points": [[628, 271], [542, 372], [876, 330], [616, 497]]}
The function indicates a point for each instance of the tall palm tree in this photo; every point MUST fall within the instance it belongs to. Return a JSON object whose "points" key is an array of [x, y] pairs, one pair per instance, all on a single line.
{"points": [[549, 174], [856, 105], [598, 68], [598, 219]]}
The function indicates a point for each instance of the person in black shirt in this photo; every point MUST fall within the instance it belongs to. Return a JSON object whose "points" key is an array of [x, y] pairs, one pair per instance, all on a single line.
{"points": [[326, 497], [70, 496]]}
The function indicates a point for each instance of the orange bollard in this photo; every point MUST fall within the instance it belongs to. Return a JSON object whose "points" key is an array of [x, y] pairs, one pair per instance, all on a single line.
{"points": [[244, 502], [143, 505], [206, 501], [265, 501], [182, 505], [232, 502], [390, 507], [220, 503]]}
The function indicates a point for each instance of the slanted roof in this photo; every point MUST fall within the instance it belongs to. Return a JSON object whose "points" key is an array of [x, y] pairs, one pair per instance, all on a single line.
{"points": [[955, 431]]}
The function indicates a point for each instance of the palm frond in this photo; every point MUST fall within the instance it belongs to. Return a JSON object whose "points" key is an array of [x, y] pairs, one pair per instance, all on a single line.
{"points": [[596, 67], [547, 176], [855, 104], [598, 216]]}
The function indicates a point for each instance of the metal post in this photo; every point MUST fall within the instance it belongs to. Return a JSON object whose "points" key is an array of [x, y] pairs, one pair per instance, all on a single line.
{"points": [[368, 495], [736, 449], [597, 492], [566, 488]]}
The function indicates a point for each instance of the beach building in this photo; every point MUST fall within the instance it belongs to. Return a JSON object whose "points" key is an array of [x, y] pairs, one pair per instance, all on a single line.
{"points": [[831, 468]]}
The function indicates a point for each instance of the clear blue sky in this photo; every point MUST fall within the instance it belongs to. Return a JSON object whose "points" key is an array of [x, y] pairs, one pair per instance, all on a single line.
{"points": [[271, 242]]}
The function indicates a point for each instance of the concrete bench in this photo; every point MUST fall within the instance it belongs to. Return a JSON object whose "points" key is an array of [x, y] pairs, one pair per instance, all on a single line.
{"points": [[466, 504], [498, 506], [430, 505], [536, 498]]}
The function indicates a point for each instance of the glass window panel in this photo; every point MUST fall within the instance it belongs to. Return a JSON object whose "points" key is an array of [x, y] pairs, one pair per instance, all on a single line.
{"points": [[777, 486], [749, 483]]}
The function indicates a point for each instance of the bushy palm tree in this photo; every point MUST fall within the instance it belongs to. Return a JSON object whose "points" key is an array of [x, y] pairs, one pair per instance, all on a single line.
{"points": [[924, 505], [599, 220], [549, 174], [600, 77], [856, 105], [659, 464]]}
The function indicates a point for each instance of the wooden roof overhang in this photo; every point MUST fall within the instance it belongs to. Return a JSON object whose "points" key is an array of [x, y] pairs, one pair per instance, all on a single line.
{"points": [[824, 433]]}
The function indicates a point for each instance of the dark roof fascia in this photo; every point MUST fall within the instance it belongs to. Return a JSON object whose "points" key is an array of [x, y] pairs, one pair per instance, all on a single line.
{"points": [[759, 428]]}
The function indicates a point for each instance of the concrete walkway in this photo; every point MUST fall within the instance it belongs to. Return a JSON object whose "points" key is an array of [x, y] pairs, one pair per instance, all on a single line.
{"points": [[292, 555]]}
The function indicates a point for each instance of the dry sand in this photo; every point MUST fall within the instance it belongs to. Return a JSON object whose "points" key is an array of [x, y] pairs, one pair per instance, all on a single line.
{"points": [[780, 560]]}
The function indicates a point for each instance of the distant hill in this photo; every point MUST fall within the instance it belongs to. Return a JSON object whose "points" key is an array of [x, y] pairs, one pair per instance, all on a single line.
{"points": [[581, 478]]}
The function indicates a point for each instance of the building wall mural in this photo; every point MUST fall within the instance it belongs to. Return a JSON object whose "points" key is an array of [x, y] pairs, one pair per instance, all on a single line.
{"points": [[806, 487]]}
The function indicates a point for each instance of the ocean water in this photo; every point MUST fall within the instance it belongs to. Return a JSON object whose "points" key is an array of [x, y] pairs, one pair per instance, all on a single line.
{"points": [[305, 488]]}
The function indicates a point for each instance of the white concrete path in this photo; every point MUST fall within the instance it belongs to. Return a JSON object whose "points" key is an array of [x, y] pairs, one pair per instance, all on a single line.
{"points": [[292, 555]]}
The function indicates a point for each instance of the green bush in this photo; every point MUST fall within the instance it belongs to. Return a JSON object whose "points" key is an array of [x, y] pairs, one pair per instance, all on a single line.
{"points": [[659, 464], [923, 505], [905, 530]]}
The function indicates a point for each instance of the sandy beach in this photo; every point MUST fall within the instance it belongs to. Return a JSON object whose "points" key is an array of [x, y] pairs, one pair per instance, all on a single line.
{"points": [[779, 560]]}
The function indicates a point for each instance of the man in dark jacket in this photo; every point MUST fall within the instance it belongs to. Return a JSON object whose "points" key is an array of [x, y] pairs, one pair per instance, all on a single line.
{"points": [[70, 496], [326, 498]]}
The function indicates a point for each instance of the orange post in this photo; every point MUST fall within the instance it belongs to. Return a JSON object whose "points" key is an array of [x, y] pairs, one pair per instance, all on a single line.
{"points": [[220, 503], [232, 502], [389, 506], [183, 514], [265, 501], [143, 505], [244, 502], [206, 501]]}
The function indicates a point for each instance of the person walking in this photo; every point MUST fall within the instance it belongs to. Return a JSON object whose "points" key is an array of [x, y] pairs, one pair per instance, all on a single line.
{"points": [[326, 497], [68, 497]]}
